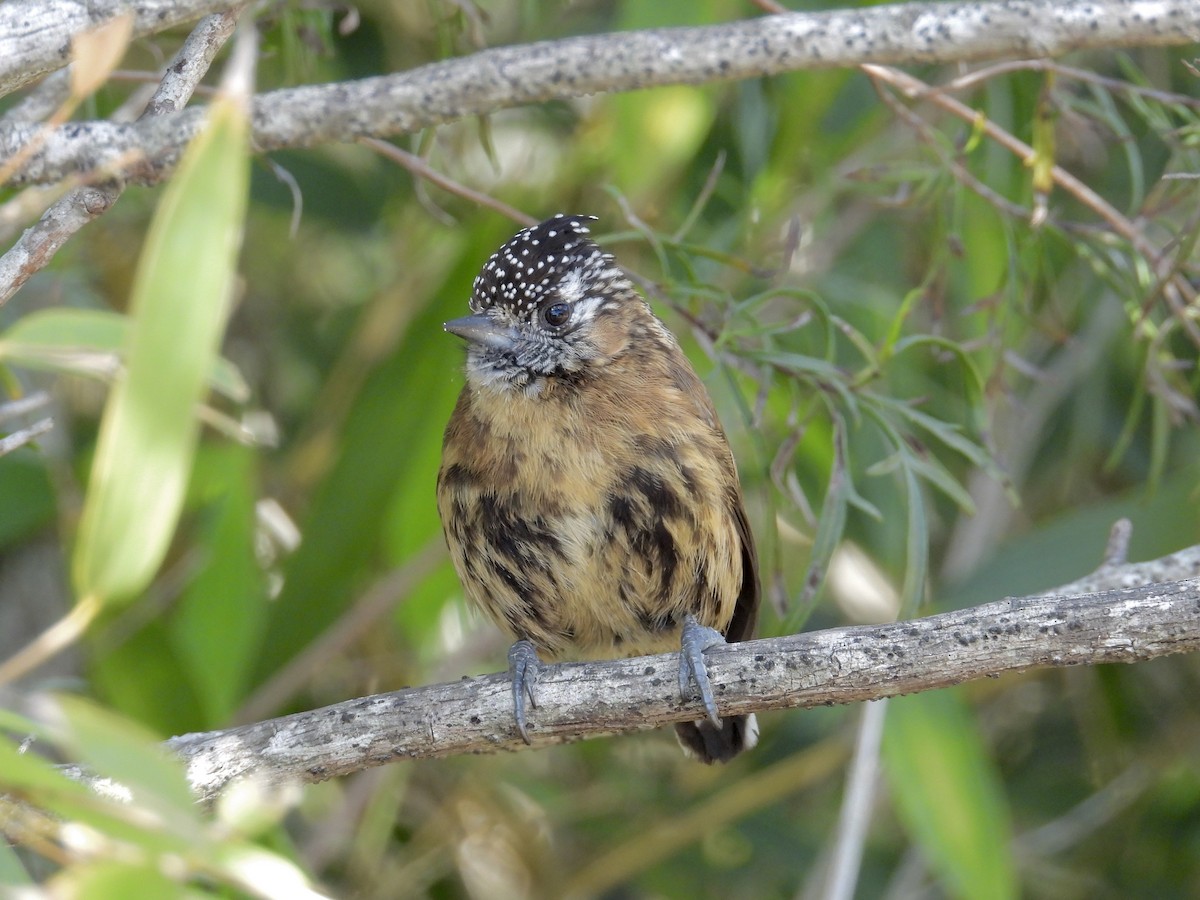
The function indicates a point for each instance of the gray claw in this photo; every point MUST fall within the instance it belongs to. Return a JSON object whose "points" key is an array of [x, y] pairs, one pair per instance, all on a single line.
{"points": [[695, 640], [523, 666]]}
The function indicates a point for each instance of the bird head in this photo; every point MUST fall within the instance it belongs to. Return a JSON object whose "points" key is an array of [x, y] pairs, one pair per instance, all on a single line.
{"points": [[545, 307]]}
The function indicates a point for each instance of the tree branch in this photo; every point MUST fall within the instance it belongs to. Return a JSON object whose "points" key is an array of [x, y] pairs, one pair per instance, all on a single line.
{"points": [[35, 35], [37, 245], [557, 70], [1136, 622]]}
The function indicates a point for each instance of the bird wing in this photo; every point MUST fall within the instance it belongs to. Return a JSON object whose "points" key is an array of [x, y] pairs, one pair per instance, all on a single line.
{"points": [[745, 611]]}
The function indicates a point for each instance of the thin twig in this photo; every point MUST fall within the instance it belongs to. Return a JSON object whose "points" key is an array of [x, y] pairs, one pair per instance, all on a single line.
{"points": [[16, 439], [854, 821], [422, 169], [24, 405], [1114, 85]]}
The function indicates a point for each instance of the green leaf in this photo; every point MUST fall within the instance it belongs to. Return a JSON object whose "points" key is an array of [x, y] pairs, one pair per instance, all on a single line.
{"points": [[29, 502], [12, 873], [221, 612], [948, 794], [80, 341], [91, 342], [831, 525], [181, 299], [823, 373], [118, 748], [107, 880], [931, 471], [916, 556], [29, 772]]}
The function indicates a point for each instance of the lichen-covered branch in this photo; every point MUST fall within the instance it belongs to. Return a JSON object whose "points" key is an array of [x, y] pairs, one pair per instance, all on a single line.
{"points": [[511, 76], [840, 665], [37, 245], [35, 35]]}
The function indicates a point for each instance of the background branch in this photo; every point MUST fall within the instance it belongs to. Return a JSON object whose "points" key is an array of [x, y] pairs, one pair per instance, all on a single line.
{"points": [[505, 77], [839, 665], [35, 35]]}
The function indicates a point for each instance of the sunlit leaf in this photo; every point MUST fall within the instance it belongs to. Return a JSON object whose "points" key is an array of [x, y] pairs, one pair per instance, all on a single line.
{"points": [[117, 748], [91, 342], [181, 300], [31, 772], [111, 880], [96, 52]]}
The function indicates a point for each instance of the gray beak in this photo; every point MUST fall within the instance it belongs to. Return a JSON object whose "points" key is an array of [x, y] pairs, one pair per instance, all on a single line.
{"points": [[483, 331]]}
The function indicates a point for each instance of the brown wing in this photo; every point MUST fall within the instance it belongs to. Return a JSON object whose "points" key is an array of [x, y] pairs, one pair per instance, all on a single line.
{"points": [[702, 740], [745, 612]]}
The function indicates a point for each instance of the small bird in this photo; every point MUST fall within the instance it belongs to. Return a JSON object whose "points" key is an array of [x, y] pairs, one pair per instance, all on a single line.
{"points": [[587, 492]]}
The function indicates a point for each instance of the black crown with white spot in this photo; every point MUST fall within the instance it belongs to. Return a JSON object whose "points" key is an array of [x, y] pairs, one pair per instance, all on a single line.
{"points": [[529, 267]]}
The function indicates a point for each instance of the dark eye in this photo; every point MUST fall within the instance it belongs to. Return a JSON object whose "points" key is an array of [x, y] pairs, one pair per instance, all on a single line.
{"points": [[556, 314]]}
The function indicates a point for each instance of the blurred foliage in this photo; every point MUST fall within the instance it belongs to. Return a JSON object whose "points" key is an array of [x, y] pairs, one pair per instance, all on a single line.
{"points": [[905, 363]]}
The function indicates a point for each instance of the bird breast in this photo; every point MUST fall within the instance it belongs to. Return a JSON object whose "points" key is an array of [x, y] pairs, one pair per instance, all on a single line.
{"points": [[591, 524]]}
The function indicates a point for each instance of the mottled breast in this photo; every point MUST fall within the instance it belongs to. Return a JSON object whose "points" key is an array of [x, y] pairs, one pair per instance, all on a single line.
{"points": [[590, 519]]}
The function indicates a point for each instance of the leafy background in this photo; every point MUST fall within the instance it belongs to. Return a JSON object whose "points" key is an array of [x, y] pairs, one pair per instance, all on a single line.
{"points": [[905, 366]]}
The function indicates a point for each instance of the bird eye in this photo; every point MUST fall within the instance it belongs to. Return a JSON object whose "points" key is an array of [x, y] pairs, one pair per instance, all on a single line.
{"points": [[556, 314]]}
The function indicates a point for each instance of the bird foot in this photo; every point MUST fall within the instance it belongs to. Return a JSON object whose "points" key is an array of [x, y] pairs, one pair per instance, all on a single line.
{"points": [[523, 668], [697, 638]]}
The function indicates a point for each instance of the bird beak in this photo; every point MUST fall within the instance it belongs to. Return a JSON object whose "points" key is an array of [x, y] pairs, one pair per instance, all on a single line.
{"points": [[483, 331]]}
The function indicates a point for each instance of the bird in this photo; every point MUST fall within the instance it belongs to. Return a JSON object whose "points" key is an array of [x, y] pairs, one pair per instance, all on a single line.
{"points": [[587, 492]]}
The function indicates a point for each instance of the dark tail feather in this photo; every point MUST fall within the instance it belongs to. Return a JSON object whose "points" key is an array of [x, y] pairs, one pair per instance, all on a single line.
{"points": [[708, 744]]}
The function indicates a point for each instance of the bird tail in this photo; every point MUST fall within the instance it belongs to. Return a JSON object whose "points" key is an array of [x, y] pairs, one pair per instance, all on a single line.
{"points": [[707, 743]]}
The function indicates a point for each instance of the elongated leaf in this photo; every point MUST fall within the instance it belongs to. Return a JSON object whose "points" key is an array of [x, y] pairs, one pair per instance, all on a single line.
{"points": [[91, 342], [181, 300], [220, 613], [111, 880], [948, 794], [120, 749], [830, 527], [916, 555], [30, 773]]}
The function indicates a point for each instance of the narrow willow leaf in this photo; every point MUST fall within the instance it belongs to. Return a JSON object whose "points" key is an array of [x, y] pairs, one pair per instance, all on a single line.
{"points": [[948, 794], [831, 525], [916, 556], [181, 300], [932, 472]]}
